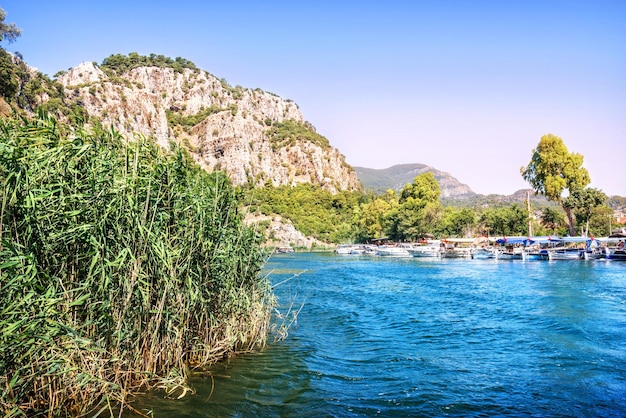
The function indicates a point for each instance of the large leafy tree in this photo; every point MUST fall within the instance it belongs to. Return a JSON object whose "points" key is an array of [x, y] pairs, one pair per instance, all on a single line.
{"points": [[600, 221], [506, 220], [457, 222], [371, 220], [9, 76], [552, 219], [553, 170], [9, 72], [582, 202], [424, 189], [418, 209]]}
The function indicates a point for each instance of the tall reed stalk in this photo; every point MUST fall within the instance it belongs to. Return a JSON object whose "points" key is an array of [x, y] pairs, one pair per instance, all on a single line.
{"points": [[122, 266]]}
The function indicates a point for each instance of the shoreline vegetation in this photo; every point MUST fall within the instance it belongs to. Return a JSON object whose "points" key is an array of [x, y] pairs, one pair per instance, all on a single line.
{"points": [[123, 268]]}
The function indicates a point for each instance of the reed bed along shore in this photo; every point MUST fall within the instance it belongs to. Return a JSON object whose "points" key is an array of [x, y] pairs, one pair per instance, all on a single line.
{"points": [[123, 267]]}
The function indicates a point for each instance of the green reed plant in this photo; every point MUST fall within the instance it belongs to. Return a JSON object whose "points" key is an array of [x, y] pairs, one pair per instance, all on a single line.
{"points": [[122, 267]]}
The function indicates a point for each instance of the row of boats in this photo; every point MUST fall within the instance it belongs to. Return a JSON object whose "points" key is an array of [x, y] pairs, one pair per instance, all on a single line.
{"points": [[504, 248]]}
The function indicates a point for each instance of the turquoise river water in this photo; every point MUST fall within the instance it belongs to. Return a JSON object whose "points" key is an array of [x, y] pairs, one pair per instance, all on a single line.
{"points": [[411, 337]]}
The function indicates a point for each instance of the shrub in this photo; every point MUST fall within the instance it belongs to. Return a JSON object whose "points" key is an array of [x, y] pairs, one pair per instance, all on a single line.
{"points": [[289, 132]]}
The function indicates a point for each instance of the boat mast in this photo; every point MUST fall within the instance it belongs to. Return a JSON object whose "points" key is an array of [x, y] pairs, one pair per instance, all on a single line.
{"points": [[530, 225]]}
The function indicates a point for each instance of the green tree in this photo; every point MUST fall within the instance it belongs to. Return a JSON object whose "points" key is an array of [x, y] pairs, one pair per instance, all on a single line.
{"points": [[507, 220], [582, 202], [600, 221], [456, 222], [288, 132], [9, 76], [371, 219], [418, 209], [8, 31], [553, 169], [9, 71], [424, 189], [552, 219]]}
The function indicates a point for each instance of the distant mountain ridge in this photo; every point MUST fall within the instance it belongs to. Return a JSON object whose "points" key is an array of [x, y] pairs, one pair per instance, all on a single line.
{"points": [[397, 176], [453, 192]]}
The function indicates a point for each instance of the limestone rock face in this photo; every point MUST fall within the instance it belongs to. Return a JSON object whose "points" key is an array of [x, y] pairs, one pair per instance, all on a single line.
{"points": [[223, 127], [84, 73], [282, 233]]}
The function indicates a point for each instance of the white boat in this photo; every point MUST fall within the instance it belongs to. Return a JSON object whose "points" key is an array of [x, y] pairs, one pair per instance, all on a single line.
{"points": [[360, 250], [536, 247], [511, 248], [484, 253], [399, 250], [573, 248], [457, 248], [369, 250], [344, 249], [526, 248], [613, 247], [616, 254], [511, 253], [536, 255], [560, 253], [430, 249]]}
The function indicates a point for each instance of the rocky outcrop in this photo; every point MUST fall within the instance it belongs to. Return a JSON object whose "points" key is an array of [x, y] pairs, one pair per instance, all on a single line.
{"points": [[224, 127], [280, 232]]}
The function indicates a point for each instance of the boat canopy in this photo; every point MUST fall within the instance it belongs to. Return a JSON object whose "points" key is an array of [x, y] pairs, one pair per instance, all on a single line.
{"points": [[526, 241], [514, 241], [546, 239], [459, 240], [577, 239]]}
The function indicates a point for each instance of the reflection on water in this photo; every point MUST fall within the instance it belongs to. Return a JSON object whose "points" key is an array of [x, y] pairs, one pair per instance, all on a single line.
{"points": [[381, 337]]}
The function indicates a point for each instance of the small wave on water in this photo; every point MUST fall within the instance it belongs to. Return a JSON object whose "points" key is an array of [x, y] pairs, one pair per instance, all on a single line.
{"points": [[449, 338]]}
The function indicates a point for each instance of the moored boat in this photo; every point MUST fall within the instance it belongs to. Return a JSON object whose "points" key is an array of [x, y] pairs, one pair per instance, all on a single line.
{"points": [[575, 248], [511, 253], [563, 253], [399, 250], [512, 248], [617, 252], [358, 250], [483, 253], [532, 255], [457, 248], [536, 247], [344, 249], [430, 249]]}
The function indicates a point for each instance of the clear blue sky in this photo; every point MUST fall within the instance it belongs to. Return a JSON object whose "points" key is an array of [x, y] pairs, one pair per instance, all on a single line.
{"points": [[468, 87]]}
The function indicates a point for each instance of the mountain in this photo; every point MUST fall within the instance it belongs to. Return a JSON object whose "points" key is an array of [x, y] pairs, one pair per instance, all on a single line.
{"points": [[255, 136], [395, 177]]}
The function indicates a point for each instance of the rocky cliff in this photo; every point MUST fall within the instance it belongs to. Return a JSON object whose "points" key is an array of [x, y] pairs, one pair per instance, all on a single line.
{"points": [[255, 136]]}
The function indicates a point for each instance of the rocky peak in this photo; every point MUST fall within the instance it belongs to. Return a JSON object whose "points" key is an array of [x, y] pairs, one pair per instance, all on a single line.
{"points": [[83, 73], [397, 176]]}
